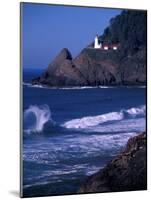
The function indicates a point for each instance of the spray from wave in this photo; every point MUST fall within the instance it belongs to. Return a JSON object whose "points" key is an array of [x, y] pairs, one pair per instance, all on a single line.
{"points": [[38, 118], [35, 117], [91, 121]]}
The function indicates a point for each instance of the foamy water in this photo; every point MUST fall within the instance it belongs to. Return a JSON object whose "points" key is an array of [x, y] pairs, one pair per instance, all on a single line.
{"points": [[75, 132], [89, 121], [38, 115], [77, 87]]}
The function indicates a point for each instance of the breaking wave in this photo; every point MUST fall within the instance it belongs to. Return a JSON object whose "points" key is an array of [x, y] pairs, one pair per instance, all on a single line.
{"points": [[35, 117], [91, 121], [38, 118]]}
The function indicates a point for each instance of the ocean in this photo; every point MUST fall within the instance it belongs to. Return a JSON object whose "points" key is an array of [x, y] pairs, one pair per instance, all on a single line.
{"points": [[71, 133]]}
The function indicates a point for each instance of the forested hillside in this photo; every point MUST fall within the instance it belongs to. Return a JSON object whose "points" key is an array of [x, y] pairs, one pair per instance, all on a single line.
{"points": [[127, 29]]}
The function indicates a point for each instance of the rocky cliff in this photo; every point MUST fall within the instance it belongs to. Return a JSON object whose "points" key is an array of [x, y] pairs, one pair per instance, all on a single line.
{"points": [[126, 172], [93, 67], [61, 72]]}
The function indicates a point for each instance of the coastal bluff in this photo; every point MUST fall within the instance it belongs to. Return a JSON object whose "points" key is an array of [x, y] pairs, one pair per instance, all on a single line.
{"points": [[126, 172], [93, 67]]}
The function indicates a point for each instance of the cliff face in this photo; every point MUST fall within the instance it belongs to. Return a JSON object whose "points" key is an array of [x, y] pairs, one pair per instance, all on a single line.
{"points": [[100, 67], [125, 172], [93, 67], [61, 72]]}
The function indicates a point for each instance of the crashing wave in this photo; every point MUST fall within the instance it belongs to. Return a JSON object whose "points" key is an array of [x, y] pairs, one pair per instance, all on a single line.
{"points": [[91, 121], [35, 117]]}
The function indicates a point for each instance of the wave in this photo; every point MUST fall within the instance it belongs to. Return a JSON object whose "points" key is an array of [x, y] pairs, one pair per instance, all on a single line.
{"points": [[60, 88], [35, 117], [66, 88], [35, 86], [91, 121], [142, 86], [27, 84], [78, 87], [38, 118]]}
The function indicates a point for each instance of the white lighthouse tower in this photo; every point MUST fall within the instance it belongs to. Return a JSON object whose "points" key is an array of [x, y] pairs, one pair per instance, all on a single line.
{"points": [[96, 43]]}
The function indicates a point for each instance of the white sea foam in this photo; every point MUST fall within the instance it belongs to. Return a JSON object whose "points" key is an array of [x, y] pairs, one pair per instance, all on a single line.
{"points": [[135, 125], [85, 147], [134, 112], [35, 85], [101, 86], [65, 88], [92, 121], [142, 86], [77, 87], [27, 84], [60, 88], [37, 117]]}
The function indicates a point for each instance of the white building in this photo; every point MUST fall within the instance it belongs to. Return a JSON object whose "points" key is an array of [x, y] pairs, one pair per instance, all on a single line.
{"points": [[115, 47], [105, 47], [96, 43]]}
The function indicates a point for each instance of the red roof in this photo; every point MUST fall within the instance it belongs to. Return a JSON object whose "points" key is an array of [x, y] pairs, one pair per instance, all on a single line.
{"points": [[110, 46], [114, 45]]}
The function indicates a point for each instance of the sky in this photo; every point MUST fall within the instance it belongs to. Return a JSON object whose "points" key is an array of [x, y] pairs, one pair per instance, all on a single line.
{"points": [[46, 29]]}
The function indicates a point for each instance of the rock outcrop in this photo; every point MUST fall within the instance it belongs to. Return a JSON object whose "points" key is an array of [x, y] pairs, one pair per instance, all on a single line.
{"points": [[61, 72], [94, 67], [126, 172]]}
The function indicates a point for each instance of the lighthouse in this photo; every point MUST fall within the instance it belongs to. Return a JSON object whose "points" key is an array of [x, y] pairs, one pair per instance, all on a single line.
{"points": [[96, 43]]}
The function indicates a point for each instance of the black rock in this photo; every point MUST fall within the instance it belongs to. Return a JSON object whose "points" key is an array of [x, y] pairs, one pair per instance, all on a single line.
{"points": [[126, 172]]}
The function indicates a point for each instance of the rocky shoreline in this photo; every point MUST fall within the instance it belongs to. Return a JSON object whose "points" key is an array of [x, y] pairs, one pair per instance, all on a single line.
{"points": [[93, 67], [126, 172]]}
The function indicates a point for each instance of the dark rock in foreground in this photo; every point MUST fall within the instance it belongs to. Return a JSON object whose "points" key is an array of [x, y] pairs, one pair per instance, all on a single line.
{"points": [[126, 172]]}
